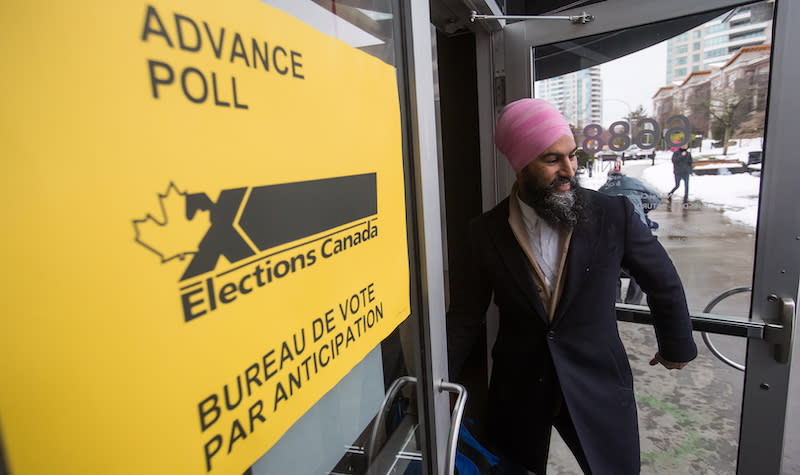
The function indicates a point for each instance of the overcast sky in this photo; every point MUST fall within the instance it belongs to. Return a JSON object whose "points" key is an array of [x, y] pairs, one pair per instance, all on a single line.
{"points": [[633, 80]]}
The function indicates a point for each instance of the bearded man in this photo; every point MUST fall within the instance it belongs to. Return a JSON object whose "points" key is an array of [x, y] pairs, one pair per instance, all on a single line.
{"points": [[550, 254]]}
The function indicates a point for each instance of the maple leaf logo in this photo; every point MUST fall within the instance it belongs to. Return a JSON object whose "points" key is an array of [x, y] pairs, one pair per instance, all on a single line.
{"points": [[172, 234]]}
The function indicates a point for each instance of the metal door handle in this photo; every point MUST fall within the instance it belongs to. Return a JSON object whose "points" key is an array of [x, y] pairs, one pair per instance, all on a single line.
{"points": [[455, 422], [707, 340], [780, 333], [379, 418]]}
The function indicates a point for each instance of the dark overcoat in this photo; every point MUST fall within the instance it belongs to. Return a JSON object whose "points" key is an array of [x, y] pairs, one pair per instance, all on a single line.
{"points": [[682, 163], [579, 353]]}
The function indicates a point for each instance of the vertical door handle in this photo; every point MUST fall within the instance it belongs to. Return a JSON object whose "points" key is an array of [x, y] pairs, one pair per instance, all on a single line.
{"points": [[381, 416], [455, 422]]}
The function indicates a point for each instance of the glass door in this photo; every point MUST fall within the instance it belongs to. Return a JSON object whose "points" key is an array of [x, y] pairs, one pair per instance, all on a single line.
{"points": [[641, 84], [386, 415], [249, 241]]}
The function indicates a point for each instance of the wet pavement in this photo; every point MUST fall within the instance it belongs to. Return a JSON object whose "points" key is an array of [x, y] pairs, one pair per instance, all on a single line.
{"points": [[689, 419]]}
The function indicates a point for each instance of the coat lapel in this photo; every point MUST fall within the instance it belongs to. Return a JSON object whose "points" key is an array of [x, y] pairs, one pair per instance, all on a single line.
{"points": [[581, 252], [515, 260]]}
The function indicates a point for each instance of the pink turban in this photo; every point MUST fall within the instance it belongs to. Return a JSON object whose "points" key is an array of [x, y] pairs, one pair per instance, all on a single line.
{"points": [[527, 128]]}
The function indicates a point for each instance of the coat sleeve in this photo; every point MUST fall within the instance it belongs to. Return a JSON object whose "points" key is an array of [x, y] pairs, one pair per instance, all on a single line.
{"points": [[650, 198], [469, 300], [654, 271]]}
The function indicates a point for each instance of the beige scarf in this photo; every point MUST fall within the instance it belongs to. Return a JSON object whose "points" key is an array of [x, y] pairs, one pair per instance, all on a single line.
{"points": [[549, 296]]}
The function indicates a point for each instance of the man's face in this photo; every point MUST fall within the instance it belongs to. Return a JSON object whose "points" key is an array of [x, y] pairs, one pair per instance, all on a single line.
{"points": [[555, 166], [548, 184]]}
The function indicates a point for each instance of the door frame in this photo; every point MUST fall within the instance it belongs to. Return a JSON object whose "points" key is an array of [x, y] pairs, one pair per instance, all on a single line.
{"points": [[434, 415]]}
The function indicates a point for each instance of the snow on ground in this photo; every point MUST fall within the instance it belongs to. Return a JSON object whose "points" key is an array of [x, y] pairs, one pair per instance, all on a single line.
{"points": [[738, 151], [736, 194]]}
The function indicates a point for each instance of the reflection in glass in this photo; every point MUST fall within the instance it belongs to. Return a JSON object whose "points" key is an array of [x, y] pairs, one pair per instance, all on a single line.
{"points": [[653, 104]]}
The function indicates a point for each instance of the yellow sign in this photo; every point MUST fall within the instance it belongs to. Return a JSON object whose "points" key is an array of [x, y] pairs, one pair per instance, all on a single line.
{"points": [[205, 230]]}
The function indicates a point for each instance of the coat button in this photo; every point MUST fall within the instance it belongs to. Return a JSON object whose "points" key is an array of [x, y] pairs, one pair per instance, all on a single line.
{"points": [[551, 335], [539, 289], [587, 268]]}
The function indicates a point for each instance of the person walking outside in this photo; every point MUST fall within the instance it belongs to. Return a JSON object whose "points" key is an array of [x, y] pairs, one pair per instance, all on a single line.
{"points": [[682, 168]]}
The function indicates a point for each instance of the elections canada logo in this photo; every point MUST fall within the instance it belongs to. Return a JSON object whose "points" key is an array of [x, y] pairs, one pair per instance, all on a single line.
{"points": [[264, 233]]}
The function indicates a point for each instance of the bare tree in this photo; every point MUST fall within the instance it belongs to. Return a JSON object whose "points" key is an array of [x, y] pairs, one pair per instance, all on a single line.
{"points": [[634, 117], [729, 108]]}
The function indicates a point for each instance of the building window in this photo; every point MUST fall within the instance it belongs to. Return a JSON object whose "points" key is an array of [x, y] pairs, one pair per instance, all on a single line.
{"points": [[716, 52], [680, 72], [681, 49], [696, 58], [717, 40], [716, 28], [695, 46], [695, 68], [680, 60], [735, 23], [683, 37], [750, 34], [697, 34], [733, 49]]}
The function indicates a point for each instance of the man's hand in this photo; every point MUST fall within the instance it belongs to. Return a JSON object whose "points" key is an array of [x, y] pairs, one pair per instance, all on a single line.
{"points": [[667, 364]]}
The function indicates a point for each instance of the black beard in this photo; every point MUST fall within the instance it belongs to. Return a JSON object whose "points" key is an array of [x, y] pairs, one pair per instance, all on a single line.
{"points": [[561, 209]]}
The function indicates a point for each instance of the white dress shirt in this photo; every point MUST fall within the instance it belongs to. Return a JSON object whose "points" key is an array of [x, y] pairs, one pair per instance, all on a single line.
{"points": [[544, 241]]}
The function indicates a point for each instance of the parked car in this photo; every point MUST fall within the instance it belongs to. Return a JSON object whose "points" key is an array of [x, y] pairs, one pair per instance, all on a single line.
{"points": [[631, 153], [635, 153], [607, 155]]}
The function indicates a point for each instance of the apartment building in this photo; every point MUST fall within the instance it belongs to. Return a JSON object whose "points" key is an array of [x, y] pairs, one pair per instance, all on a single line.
{"points": [[712, 44], [741, 79], [577, 95]]}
